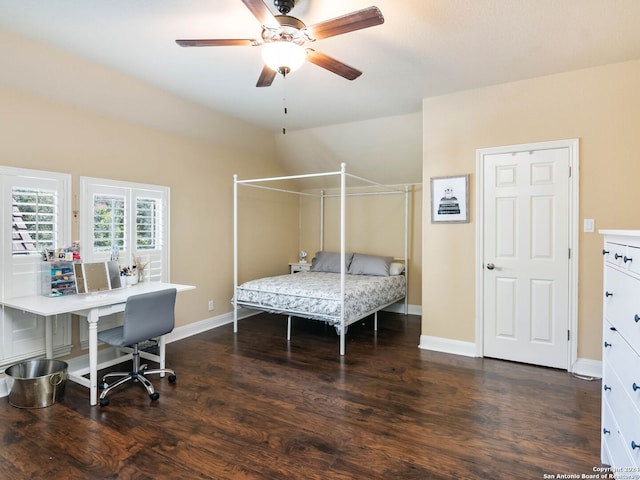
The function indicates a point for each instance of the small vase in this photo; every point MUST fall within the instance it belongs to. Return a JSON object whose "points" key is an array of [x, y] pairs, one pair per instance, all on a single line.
{"points": [[140, 275]]}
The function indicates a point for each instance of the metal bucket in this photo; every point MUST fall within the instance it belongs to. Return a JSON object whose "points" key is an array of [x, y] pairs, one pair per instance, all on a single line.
{"points": [[36, 383]]}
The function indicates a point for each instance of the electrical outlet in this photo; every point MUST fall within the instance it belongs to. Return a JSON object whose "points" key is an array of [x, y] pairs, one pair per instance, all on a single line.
{"points": [[212, 305]]}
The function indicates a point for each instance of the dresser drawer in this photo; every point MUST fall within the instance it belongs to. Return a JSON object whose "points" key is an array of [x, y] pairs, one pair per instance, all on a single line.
{"points": [[614, 253], [614, 451], [620, 358], [634, 264], [627, 416], [622, 305]]}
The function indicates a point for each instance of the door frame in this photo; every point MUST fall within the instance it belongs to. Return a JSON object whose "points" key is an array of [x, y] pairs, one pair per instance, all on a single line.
{"points": [[573, 146]]}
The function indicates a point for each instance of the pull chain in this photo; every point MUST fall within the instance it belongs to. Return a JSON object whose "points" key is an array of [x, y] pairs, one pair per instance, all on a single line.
{"points": [[284, 105], [284, 128]]}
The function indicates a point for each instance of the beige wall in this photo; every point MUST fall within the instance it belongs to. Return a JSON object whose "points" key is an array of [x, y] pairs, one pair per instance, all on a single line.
{"points": [[599, 106]]}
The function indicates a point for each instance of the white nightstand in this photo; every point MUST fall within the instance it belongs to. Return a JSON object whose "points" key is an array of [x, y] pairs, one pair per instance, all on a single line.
{"points": [[299, 267]]}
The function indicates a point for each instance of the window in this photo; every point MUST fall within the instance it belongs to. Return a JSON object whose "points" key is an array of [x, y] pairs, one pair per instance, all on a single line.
{"points": [[129, 219], [109, 223], [35, 220], [148, 223], [36, 215]]}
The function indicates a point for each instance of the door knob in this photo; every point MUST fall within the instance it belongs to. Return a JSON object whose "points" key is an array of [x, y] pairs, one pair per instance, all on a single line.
{"points": [[490, 266]]}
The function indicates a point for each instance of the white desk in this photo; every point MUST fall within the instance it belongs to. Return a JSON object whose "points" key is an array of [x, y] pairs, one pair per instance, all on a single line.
{"points": [[91, 306]]}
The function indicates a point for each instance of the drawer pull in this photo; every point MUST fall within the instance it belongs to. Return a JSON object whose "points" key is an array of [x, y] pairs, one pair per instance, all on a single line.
{"points": [[617, 256], [627, 259], [608, 294], [605, 431], [605, 252], [635, 387], [613, 329], [606, 387], [607, 344], [634, 445], [636, 318]]}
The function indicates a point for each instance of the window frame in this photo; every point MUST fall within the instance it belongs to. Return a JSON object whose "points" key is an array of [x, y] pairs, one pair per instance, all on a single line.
{"points": [[131, 191]]}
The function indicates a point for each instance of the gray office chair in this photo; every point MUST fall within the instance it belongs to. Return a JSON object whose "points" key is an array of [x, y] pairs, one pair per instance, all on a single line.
{"points": [[146, 316]]}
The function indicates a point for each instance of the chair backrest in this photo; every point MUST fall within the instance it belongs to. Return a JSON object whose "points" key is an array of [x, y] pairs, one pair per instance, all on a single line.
{"points": [[149, 315]]}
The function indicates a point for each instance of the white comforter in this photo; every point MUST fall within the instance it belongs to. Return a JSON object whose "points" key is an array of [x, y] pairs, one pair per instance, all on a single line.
{"points": [[316, 295]]}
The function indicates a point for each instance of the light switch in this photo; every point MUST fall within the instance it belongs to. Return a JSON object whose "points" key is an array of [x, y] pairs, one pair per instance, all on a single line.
{"points": [[589, 225]]}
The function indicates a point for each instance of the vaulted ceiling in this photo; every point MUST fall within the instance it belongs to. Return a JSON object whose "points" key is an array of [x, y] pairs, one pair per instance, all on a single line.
{"points": [[424, 48]]}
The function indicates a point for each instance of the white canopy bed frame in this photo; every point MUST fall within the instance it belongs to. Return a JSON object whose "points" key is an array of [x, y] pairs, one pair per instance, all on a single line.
{"points": [[341, 323]]}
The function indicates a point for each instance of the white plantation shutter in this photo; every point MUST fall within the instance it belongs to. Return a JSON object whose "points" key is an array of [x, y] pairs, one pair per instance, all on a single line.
{"points": [[132, 218], [36, 212], [35, 220], [148, 223], [109, 223], [151, 227]]}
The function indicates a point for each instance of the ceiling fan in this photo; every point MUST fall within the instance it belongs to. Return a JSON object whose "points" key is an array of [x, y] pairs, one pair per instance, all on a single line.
{"points": [[283, 38]]}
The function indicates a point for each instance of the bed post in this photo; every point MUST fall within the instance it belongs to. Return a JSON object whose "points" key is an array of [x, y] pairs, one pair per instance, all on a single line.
{"points": [[321, 220], [406, 248], [235, 253], [343, 167]]}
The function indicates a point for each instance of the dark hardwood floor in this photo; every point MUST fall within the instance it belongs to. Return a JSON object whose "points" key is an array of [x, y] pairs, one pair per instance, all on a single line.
{"points": [[250, 406]]}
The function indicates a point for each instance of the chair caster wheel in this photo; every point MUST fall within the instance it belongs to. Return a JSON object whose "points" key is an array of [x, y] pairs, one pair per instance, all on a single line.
{"points": [[172, 378], [104, 385], [104, 402], [154, 396]]}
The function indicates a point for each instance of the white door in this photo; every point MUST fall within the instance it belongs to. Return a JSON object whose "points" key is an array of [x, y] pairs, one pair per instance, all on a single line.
{"points": [[526, 255]]}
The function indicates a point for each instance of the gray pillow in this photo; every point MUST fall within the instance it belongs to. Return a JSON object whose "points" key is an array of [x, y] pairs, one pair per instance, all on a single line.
{"points": [[330, 262], [370, 265]]}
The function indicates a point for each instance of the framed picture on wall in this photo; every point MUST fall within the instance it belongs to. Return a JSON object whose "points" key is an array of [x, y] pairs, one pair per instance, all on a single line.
{"points": [[450, 199]]}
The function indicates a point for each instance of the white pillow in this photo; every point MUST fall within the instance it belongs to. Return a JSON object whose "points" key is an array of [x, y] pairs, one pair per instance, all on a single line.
{"points": [[396, 268]]}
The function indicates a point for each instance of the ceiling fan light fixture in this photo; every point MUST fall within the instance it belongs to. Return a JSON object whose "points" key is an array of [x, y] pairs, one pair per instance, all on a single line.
{"points": [[283, 56]]}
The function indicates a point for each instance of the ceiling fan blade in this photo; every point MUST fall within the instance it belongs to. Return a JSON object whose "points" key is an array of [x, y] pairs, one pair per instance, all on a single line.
{"points": [[333, 65], [266, 77], [221, 42], [367, 17], [261, 12]]}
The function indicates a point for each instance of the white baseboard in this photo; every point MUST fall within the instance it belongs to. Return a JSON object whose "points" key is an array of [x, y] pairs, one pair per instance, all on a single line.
{"points": [[583, 366], [588, 368], [399, 308], [207, 324], [447, 345]]}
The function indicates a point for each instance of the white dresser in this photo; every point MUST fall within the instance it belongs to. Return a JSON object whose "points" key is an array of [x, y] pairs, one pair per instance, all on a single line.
{"points": [[621, 351]]}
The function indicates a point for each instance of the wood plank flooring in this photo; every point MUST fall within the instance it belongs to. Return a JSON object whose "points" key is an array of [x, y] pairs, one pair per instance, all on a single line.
{"points": [[252, 406]]}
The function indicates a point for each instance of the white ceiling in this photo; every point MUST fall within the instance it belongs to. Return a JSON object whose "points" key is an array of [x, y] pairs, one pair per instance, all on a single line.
{"points": [[424, 48]]}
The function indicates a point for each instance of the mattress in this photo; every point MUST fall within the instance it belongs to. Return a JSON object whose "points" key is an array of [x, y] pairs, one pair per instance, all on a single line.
{"points": [[316, 295]]}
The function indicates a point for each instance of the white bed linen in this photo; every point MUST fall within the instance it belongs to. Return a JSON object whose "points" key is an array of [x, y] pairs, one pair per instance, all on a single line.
{"points": [[316, 295]]}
